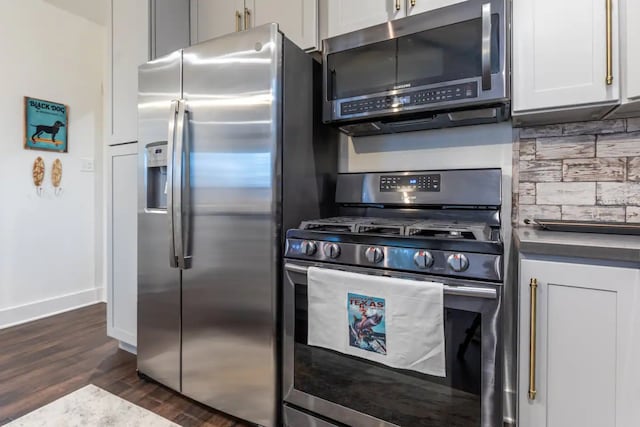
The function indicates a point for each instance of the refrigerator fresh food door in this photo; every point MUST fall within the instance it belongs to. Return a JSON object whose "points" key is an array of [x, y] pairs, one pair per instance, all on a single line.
{"points": [[232, 88], [158, 281]]}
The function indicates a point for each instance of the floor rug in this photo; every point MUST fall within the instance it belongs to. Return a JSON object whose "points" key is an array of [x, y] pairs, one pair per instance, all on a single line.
{"points": [[91, 406]]}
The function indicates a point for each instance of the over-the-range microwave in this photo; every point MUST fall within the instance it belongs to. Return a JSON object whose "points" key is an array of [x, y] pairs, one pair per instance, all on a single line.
{"points": [[446, 67]]}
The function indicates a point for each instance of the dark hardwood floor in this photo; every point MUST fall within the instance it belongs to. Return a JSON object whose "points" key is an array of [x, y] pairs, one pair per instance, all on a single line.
{"points": [[44, 360]]}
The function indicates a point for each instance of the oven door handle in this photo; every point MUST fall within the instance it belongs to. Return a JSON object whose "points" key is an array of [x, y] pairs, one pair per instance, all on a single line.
{"points": [[462, 291]]}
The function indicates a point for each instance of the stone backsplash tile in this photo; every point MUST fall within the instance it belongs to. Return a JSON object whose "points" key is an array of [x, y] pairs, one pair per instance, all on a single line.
{"points": [[538, 212], [633, 169], [618, 193], [633, 125], [571, 147], [619, 145], [541, 131], [566, 193], [594, 169], [594, 213], [597, 127], [527, 193], [633, 213], [578, 171], [540, 170], [528, 149]]}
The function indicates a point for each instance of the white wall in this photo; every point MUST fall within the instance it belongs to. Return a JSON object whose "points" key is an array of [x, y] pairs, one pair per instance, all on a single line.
{"points": [[49, 244]]}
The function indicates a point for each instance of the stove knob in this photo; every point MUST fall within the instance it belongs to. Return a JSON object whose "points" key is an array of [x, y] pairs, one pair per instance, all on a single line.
{"points": [[332, 250], [458, 262], [374, 255], [308, 248], [423, 259]]}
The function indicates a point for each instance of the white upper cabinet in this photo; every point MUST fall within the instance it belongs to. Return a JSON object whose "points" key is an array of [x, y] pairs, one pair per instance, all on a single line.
{"points": [[560, 56], [629, 59], [215, 18], [344, 16], [587, 344], [128, 35], [631, 49], [418, 6], [169, 26], [298, 19]]}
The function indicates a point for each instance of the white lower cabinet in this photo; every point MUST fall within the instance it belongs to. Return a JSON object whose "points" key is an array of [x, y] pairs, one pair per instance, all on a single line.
{"points": [[122, 232], [587, 345]]}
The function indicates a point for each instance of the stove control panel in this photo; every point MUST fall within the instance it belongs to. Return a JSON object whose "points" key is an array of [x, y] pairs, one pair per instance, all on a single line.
{"points": [[410, 183], [430, 261]]}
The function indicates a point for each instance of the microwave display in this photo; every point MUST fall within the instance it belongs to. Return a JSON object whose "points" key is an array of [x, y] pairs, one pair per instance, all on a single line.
{"points": [[439, 55]]}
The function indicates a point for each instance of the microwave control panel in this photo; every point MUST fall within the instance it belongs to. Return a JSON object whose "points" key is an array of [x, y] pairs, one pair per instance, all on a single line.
{"points": [[410, 183], [411, 99]]}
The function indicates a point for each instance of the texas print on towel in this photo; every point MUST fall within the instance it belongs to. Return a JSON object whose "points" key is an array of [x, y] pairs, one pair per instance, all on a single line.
{"points": [[367, 324]]}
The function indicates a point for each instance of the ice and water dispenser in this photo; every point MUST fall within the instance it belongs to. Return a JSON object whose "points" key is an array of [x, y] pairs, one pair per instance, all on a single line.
{"points": [[156, 178]]}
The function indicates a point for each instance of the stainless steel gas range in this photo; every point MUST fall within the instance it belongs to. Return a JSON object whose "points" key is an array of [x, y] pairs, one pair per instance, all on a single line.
{"points": [[441, 226]]}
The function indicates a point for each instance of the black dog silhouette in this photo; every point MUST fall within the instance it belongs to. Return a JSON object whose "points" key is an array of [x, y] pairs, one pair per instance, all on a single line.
{"points": [[53, 130]]}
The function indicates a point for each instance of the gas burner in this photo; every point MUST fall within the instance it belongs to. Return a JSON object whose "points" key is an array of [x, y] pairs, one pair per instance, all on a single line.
{"points": [[335, 224]]}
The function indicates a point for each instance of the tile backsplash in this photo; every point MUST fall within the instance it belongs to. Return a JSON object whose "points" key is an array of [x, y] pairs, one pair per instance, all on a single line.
{"points": [[578, 171]]}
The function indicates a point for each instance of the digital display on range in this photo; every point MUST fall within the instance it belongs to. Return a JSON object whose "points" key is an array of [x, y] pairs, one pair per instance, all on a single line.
{"points": [[410, 183]]}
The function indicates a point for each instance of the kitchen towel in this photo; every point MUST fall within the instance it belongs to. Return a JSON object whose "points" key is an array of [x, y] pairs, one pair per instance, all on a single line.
{"points": [[396, 322]]}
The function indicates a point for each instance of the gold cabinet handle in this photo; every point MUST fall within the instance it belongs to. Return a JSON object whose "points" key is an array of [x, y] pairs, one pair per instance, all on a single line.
{"points": [[609, 42], [238, 20], [413, 3], [398, 5], [533, 289], [247, 14]]}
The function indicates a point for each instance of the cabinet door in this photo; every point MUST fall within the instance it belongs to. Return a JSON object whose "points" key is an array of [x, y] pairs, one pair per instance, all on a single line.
{"points": [[298, 19], [122, 235], [587, 345], [169, 26], [344, 16], [560, 54], [631, 48], [129, 48], [418, 6], [215, 18]]}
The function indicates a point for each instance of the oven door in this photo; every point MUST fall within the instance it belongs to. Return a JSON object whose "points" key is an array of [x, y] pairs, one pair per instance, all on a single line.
{"points": [[454, 56], [360, 393]]}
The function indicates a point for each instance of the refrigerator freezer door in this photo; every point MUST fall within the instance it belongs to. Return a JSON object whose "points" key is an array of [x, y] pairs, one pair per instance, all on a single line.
{"points": [[232, 87], [158, 283]]}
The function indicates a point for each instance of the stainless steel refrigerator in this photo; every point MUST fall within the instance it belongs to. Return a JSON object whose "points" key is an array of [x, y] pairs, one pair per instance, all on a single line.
{"points": [[231, 154]]}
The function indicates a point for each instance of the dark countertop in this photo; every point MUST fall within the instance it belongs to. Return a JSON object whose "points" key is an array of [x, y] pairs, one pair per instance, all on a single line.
{"points": [[624, 248]]}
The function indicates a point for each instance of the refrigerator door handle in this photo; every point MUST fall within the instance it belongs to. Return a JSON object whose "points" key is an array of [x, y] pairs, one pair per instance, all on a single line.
{"points": [[182, 185], [170, 187]]}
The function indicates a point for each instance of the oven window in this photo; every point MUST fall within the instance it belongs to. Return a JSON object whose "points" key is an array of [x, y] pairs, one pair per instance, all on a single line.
{"points": [[439, 55], [397, 396]]}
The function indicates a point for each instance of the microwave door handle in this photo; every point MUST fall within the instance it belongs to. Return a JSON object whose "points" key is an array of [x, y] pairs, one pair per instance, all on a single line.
{"points": [[486, 46]]}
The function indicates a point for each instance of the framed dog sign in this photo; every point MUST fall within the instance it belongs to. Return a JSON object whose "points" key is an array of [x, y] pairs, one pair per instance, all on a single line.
{"points": [[46, 125]]}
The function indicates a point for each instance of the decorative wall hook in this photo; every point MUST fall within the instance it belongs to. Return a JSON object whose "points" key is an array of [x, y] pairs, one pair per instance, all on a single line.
{"points": [[56, 176], [38, 175]]}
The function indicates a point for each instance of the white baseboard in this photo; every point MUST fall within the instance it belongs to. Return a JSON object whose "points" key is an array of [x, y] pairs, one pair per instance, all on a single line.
{"points": [[128, 347], [13, 316]]}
